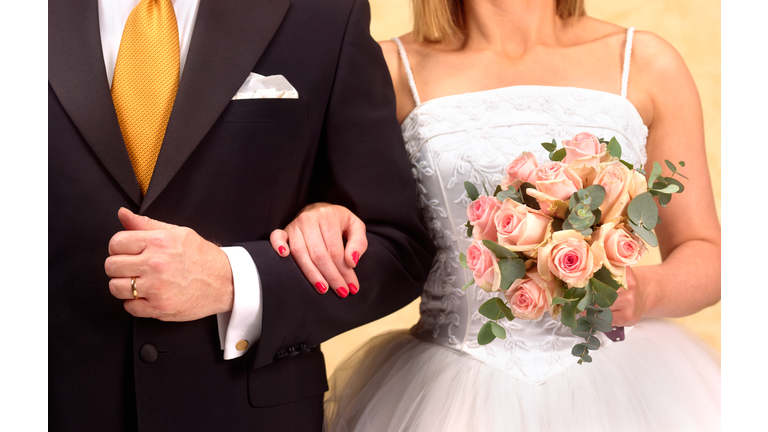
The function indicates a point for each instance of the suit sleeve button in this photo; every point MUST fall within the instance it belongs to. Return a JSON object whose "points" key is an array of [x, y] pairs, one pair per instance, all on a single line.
{"points": [[148, 353], [292, 352], [304, 349]]}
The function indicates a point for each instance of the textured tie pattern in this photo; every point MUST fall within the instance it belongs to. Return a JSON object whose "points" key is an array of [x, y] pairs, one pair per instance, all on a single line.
{"points": [[145, 82]]}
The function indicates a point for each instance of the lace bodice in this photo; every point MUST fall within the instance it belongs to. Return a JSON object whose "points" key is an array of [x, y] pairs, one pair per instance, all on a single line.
{"points": [[472, 136]]}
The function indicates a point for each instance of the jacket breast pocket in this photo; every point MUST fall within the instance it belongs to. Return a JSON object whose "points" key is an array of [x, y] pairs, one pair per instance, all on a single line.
{"points": [[266, 111], [288, 380]]}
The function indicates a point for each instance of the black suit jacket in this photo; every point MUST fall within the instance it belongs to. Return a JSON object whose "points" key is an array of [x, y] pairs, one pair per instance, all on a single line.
{"points": [[233, 171]]}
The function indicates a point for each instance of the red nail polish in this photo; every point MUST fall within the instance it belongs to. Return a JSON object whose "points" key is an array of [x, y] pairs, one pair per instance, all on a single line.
{"points": [[352, 288], [355, 257], [342, 292], [281, 250], [321, 287]]}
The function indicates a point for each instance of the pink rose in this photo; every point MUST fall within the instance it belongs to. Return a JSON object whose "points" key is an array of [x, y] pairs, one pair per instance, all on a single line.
{"points": [[550, 206], [480, 213], [519, 170], [484, 266], [622, 248], [620, 184], [521, 228], [568, 257], [557, 180], [583, 149], [531, 296]]}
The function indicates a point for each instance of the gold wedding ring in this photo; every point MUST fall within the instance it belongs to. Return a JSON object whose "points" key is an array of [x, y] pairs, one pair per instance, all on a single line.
{"points": [[133, 288]]}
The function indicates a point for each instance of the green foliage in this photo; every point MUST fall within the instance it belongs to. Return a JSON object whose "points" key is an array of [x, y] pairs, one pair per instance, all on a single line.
{"points": [[500, 251], [558, 155], [466, 285], [654, 174], [568, 315], [486, 334], [604, 294], [511, 270], [470, 228], [643, 216], [463, 260], [491, 309], [472, 192], [498, 330], [550, 147], [527, 199], [614, 148], [604, 275]]}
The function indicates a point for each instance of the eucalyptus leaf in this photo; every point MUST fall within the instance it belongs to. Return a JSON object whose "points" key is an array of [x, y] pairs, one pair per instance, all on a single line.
{"points": [[600, 324], [579, 350], [592, 343], [550, 147], [604, 294], [670, 165], [485, 335], [604, 275], [682, 164], [558, 155], [597, 193], [614, 148], [627, 164], [472, 192], [509, 194], [588, 299], [603, 313], [642, 211], [560, 300], [669, 189], [655, 172], [498, 330], [466, 285], [490, 309], [527, 199], [506, 310], [463, 260], [644, 234], [568, 315], [470, 228], [584, 328], [674, 181], [500, 251], [664, 199], [585, 358], [511, 270]]}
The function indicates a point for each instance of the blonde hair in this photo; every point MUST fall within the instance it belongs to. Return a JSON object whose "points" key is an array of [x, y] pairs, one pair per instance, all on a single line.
{"points": [[437, 20]]}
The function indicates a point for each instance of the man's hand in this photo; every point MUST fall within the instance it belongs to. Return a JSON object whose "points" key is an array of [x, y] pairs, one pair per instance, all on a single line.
{"points": [[179, 275]]}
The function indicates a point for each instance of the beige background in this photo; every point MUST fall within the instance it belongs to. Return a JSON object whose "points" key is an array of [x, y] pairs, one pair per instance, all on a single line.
{"points": [[691, 26]]}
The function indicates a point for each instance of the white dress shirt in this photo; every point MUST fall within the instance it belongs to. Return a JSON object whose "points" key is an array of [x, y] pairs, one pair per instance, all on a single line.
{"points": [[243, 323]]}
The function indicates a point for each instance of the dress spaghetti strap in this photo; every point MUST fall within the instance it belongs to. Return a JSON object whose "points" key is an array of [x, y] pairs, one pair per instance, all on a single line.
{"points": [[627, 55], [408, 71]]}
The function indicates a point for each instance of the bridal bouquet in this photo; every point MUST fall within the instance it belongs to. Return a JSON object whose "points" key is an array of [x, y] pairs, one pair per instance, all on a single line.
{"points": [[558, 237]]}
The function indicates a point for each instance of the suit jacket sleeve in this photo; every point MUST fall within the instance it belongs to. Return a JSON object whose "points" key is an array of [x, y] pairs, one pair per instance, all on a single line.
{"points": [[362, 164]]}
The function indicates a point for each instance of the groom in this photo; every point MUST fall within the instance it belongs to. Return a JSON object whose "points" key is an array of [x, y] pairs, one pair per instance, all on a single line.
{"points": [[168, 308]]}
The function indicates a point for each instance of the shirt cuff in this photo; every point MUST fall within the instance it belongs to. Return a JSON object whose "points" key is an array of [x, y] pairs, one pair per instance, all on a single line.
{"points": [[241, 328]]}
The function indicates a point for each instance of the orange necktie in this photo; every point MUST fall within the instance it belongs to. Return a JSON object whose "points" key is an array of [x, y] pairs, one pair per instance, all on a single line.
{"points": [[145, 82]]}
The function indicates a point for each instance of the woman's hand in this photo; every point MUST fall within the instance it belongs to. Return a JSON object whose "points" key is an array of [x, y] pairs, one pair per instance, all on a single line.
{"points": [[316, 243], [631, 303]]}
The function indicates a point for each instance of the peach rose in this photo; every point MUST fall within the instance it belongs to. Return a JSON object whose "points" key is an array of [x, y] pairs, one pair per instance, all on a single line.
{"points": [[519, 170], [621, 185], [521, 228], [622, 248], [480, 213], [568, 257], [550, 206], [583, 149], [557, 180], [531, 296], [484, 266]]}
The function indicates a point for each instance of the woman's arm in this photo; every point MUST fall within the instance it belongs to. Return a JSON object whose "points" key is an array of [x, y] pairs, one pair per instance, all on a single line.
{"points": [[688, 279]]}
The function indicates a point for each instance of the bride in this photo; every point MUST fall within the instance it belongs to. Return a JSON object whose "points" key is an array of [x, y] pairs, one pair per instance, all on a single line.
{"points": [[477, 83]]}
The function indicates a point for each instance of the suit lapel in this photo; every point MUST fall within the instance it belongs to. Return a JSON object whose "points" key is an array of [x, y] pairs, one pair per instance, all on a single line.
{"points": [[77, 75], [227, 41]]}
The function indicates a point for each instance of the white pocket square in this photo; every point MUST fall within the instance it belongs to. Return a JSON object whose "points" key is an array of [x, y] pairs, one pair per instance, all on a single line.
{"points": [[266, 87]]}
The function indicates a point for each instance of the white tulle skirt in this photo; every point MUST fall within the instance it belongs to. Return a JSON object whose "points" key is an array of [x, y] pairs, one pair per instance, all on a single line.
{"points": [[661, 378]]}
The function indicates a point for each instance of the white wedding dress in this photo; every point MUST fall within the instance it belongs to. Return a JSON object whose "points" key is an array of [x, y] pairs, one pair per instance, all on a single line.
{"points": [[436, 377]]}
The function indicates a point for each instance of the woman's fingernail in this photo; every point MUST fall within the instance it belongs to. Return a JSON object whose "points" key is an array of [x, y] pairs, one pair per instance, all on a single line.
{"points": [[342, 292], [355, 257], [321, 288], [281, 250], [352, 288]]}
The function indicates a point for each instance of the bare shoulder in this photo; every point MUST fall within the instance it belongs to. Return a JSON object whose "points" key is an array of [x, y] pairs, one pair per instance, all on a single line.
{"points": [[653, 55]]}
